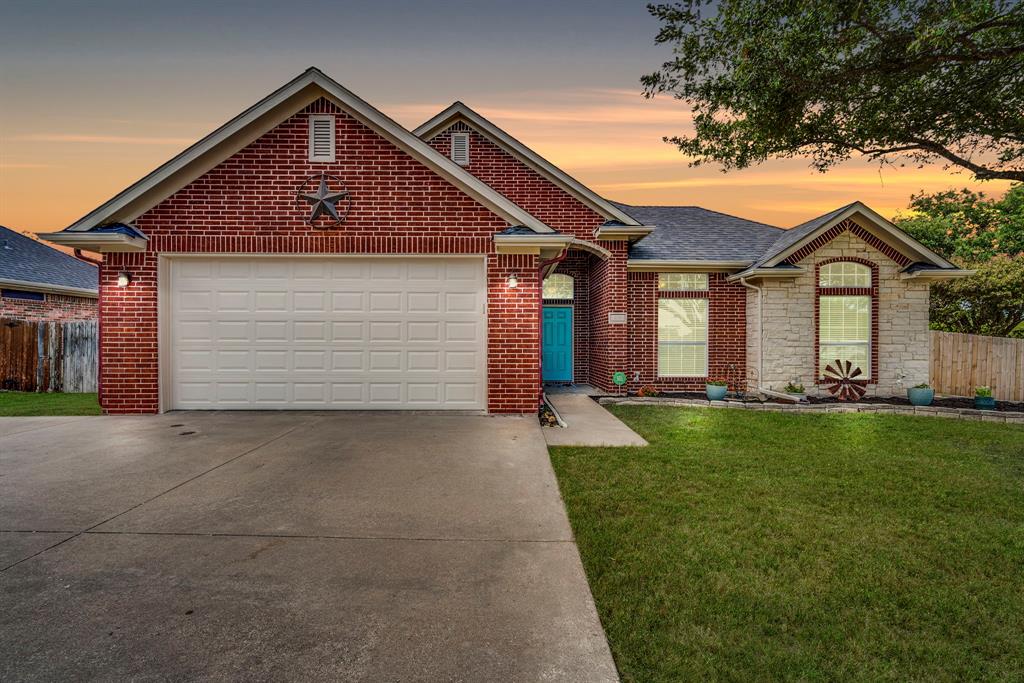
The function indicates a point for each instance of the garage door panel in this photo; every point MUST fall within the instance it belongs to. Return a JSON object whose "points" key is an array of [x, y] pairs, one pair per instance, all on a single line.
{"points": [[334, 332]]}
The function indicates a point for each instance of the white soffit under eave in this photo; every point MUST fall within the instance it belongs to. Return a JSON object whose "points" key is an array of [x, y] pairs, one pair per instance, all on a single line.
{"points": [[459, 111], [890, 233], [263, 117]]}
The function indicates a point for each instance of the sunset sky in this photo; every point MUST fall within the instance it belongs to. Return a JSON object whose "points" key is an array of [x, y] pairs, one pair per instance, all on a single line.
{"points": [[94, 95]]}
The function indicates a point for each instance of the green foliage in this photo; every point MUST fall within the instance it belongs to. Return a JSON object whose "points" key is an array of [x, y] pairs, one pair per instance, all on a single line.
{"points": [[754, 546], [921, 80], [792, 388], [717, 383], [923, 385], [989, 302], [968, 225], [983, 392]]}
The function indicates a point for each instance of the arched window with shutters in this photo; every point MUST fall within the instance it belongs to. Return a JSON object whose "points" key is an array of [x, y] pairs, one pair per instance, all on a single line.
{"points": [[846, 313], [558, 287]]}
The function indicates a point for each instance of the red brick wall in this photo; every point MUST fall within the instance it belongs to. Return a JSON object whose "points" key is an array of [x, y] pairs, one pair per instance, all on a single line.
{"points": [[53, 307], [727, 330], [609, 344], [247, 205], [520, 183], [513, 324]]}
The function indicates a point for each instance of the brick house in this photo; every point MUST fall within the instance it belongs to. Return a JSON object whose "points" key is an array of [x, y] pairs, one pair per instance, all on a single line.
{"points": [[313, 253], [39, 283]]}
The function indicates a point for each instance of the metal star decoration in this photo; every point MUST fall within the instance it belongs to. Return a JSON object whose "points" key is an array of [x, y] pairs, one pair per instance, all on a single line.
{"points": [[325, 201]]}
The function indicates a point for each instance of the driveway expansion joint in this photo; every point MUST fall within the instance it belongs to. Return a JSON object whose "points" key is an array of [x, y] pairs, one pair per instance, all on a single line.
{"points": [[327, 537]]}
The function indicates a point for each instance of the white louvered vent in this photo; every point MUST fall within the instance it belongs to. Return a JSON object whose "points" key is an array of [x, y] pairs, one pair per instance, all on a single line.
{"points": [[460, 148], [321, 137]]}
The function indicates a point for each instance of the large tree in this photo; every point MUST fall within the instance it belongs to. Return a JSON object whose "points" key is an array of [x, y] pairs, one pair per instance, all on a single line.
{"points": [[918, 80], [981, 233]]}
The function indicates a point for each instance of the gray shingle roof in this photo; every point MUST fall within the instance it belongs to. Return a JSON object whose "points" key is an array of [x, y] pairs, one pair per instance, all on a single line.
{"points": [[23, 258], [691, 233]]}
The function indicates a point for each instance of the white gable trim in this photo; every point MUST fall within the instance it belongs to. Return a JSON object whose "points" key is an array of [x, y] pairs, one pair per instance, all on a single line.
{"points": [[459, 111], [264, 116], [889, 232]]}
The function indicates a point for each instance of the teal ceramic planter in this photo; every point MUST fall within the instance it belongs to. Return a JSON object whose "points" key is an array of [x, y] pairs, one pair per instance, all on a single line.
{"points": [[715, 392], [921, 396], [985, 402]]}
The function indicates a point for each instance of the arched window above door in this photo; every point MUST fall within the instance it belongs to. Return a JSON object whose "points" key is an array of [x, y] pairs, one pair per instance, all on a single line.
{"points": [[558, 286]]}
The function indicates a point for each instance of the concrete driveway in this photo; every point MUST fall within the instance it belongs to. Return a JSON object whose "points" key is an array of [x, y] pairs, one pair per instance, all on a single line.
{"points": [[257, 546]]}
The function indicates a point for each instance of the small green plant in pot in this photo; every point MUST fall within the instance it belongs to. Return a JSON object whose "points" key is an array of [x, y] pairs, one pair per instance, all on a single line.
{"points": [[716, 389], [921, 395], [983, 398], [796, 390]]}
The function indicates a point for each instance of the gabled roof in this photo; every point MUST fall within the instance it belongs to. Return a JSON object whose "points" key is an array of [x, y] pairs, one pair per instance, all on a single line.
{"points": [[460, 112], [797, 236], [24, 261], [690, 233], [265, 115]]}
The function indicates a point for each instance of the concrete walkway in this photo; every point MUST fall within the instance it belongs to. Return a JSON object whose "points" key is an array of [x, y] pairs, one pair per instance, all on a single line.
{"points": [[289, 546], [588, 424]]}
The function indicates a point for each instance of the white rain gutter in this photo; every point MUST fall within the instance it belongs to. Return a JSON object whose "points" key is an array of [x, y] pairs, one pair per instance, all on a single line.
{"points": [[760, 331]]}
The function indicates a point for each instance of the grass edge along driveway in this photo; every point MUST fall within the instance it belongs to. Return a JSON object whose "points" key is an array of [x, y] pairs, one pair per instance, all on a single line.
{"points": [[28, 403], [768, 546]]}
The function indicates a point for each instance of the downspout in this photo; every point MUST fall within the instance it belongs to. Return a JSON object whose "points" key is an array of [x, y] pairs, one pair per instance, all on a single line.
{"points": [[552, 262], [760, 331], [99, 323]]}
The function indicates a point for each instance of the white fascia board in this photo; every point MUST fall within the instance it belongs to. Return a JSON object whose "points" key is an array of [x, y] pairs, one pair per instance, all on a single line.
{"points": [[48, 288], [897, 236], [459, 111], [681, 266], [98, 242], [937, 274], [281, 104], [632, 233], [762, 273]]}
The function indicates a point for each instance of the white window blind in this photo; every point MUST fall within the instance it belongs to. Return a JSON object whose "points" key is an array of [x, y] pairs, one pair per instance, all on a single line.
{"points": [[460, 148], [682, 337], [844, 331], [844, 274], [558, 286], [683, 282], [321, 137]]}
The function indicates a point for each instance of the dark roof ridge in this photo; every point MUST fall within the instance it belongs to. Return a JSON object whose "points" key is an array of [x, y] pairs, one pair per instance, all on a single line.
{"points": [[695, 206]]}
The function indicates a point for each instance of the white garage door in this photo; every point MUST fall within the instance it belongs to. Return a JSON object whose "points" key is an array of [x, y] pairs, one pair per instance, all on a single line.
{"points": [[313, 333]]}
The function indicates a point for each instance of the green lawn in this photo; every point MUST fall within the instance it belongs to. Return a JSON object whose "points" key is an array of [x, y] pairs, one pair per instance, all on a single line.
{"points": [[754, 546], [22, 403]]}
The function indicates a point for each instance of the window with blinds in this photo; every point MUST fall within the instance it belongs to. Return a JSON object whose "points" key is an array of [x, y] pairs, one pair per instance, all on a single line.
{"points": [[682, 282], [460, 148], [844, 331], [321, 137], [682, 337]]}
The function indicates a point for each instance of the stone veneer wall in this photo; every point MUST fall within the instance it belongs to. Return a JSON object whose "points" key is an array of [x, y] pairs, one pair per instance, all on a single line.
{"points": [[789, 323]]}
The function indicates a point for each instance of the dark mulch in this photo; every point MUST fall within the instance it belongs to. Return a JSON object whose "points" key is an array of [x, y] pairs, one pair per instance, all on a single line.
{"points": [[945, 402], [547, 418]]}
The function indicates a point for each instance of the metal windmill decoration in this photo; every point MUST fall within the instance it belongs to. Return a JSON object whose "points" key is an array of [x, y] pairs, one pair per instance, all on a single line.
{"points": [[841, 381]]}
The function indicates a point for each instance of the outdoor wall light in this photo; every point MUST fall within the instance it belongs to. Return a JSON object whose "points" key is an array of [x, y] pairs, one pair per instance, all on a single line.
{"points": [[513, 281], [123, 278]]}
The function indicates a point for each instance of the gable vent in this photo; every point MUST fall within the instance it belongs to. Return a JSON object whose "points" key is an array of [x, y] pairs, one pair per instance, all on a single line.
{"points": [[460, 148], [321, 137]]}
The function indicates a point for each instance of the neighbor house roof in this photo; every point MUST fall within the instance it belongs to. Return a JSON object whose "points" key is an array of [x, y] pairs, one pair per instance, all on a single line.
{"points": [[261, 118], [691, 233], [28, 264]]}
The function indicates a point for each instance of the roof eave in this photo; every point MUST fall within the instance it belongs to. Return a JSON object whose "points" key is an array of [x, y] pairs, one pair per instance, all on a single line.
{"points": [[630, 233], [97, 242], [682, 266], [937, 274], [767, 273], [46, 287]]}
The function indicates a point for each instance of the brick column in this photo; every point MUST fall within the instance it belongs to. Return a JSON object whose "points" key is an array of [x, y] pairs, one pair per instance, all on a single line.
{"points": [[513, 339], [609, 343]]}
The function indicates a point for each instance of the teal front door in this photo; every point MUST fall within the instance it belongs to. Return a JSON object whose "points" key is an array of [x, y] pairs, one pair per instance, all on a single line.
{"points": [[556, 359]]}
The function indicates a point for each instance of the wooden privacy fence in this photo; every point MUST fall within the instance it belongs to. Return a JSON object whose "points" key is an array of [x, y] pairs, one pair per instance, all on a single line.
{"points": [[48, 356], [961, 362]]}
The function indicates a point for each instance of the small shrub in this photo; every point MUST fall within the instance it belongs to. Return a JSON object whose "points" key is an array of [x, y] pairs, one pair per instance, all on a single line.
{"points": [[792, 388], [923, 385], [717, 382], [648, 390], [983, 392]]}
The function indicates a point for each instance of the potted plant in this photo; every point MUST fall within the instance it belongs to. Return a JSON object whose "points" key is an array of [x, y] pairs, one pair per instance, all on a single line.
{"points": [[716, 389], [921, 395], [796, 390], [983, 398]]}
